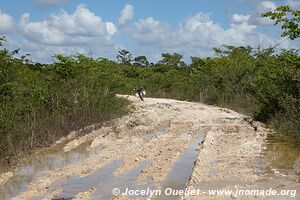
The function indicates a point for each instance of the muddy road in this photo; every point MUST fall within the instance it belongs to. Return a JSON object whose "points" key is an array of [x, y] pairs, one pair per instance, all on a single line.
{"points": [[161, 144]]}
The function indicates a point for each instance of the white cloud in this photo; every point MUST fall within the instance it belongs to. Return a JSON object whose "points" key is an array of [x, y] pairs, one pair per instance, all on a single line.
{"points": [[265, 6], [85, 32], [150, 31], [81, 27], [211, 34], [7, 23], [198, 29], [44, 4], [236, 18], [126, 14], [200, 20], [110, 28], [78, 32], [196, 36], [262, 7], [295, 4]]}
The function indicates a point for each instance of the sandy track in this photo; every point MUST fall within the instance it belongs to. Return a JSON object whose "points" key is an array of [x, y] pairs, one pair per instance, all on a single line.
{"points": [[159, 130]]}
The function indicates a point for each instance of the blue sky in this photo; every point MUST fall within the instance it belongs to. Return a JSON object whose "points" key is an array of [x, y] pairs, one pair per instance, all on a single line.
{"points": [[101, 28]]}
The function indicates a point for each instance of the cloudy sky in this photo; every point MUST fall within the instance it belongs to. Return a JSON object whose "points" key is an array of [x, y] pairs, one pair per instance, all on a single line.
{"points": [[101, 28]]}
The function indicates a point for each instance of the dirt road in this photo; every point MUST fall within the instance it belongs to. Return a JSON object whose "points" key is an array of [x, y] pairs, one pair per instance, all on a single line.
{"points": [[162, 143]]}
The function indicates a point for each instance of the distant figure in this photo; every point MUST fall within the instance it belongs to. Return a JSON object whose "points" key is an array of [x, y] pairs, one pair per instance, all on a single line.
{"points": [[139, 93]]}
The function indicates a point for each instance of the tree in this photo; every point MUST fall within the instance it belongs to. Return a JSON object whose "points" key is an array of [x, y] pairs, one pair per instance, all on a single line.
{"points": [[141, 61], [289, 19], [124, 57], [2, 40], [174, 59]]}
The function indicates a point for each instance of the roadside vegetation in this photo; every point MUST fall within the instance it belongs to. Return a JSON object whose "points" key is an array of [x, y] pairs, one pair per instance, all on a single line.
{"points": [[39, 103], [261, 83]]}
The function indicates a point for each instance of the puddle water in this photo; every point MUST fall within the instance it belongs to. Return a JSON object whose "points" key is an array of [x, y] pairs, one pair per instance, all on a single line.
{"points": [[279, 166], [103, 181], [183, 168], [281, 158], [39, 164]]}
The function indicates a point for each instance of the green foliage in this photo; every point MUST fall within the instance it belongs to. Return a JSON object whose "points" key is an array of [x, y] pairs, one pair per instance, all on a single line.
{"points": [[42, 102], [2, 40], [289, 19], [141, 61], [262, 83], [124, 57], [174, 59], [276, 89]]}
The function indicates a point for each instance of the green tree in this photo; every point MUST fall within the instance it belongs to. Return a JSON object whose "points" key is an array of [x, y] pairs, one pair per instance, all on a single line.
{"points": [[141, 61], [289, 19], [124, 57], [2, 39], [174, 59]]}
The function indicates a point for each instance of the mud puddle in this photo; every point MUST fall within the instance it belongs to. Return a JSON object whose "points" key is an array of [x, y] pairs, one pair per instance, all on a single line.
{"points": [[102, 182], [281, 158], [182, 170], [38, 165]]}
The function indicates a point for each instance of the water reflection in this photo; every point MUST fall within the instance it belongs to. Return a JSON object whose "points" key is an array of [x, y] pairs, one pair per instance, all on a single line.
{"points": [[183, 168], [39, 163], [103, 181], [282, 157]]}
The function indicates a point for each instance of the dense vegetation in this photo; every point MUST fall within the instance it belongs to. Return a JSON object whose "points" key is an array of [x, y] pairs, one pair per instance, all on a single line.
{"points": [[42, 102], [262, 83]]}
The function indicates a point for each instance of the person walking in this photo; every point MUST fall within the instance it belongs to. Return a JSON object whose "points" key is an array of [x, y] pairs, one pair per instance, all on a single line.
{"points": [[140, 92]]}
